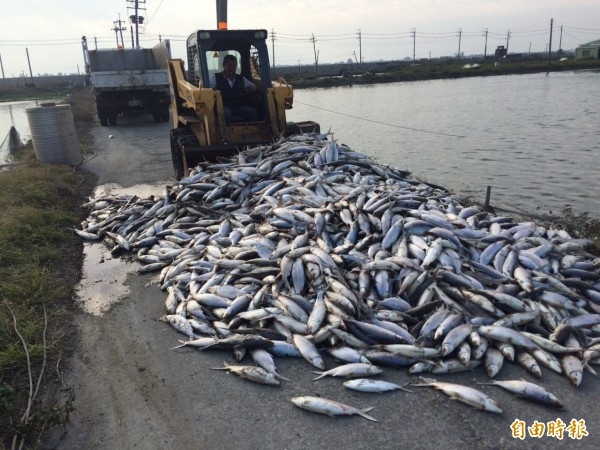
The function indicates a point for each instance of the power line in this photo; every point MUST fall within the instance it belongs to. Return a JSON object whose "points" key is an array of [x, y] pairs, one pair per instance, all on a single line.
{"points": [[154, 13], [595, 30], [40, 44], [382, 123]]}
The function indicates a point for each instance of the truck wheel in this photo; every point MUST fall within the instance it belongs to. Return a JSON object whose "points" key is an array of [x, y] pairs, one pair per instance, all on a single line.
{"points": [[112, 119], [156, 117], [103, 120]]}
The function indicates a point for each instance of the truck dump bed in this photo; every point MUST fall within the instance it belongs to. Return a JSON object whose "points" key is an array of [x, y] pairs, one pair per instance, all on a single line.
{"points": [[118, 68], [130, 59]]}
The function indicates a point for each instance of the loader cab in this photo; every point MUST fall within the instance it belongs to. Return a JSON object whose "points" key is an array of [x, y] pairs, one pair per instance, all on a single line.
{"points": [[207, 48], [201, 130]]}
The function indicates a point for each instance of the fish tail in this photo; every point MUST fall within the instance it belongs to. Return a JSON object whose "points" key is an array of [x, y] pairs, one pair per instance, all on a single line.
{"points": [[183, 344], [321, 375], [403, 387], [227, 366], [363, 413], [282, 377], [589, 368]]}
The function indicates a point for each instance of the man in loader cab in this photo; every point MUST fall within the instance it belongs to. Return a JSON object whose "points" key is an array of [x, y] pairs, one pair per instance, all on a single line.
{"points": [[235, 92]]}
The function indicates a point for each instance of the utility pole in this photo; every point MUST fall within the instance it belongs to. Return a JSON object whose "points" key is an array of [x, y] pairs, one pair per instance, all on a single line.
{"points": [[273, 46], [316, 55], [119, 28], [137, 22], [95, 43], [86, 56], [414, 33], [29, 63], [2, 67], [550, 45], [116, 30], [359, 46], [507, 39], [132, 37], [560, 41], [136, 18], [459, 38], [485, 46]]}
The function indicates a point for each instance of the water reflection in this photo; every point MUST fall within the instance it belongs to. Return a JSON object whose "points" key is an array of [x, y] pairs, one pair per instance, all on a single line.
{"points": [[12, 114], [103, 276], [533, 138]]}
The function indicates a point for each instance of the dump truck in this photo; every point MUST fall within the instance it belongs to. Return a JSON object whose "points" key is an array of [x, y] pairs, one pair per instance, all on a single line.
{"points": [[129, 81], [202, 131]]}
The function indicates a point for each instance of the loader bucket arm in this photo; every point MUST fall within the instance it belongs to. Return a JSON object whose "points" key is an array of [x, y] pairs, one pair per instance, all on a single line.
{"points": [[199, 108]]}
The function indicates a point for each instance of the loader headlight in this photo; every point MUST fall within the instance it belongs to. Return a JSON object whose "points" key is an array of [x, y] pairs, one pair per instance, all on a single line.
{"points": [[204, 35], [260, 35]]}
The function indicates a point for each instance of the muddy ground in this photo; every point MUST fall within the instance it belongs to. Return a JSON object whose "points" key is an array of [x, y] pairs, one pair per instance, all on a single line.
{"points": [[133, 391]]}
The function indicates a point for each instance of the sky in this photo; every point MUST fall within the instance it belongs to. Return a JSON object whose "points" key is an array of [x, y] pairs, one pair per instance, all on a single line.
{"points": [[51, 31]]}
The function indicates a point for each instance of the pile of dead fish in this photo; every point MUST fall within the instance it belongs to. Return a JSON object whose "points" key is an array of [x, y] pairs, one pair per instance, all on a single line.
{"points": [[305, 248]]}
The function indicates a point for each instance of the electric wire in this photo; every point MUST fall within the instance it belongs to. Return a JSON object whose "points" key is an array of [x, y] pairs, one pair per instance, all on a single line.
{"points": [[419, 130]]}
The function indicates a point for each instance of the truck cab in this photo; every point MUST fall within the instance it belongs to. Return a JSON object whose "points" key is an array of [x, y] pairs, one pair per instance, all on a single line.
{"points": [[200, 131]]}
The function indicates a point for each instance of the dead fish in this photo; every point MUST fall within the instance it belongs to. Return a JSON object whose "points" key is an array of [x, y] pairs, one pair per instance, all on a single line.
{"points": [[573, 369], [377, 386], [529, 363], [330, 407], [504, 334], [350, 370], [308, 351], [528, 391], [465, 394], [264, 359], [252, 373], [181, 324], [308, 246]]}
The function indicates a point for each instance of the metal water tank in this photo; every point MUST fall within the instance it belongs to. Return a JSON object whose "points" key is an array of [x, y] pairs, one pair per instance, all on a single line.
{"points": [[53, 134]]}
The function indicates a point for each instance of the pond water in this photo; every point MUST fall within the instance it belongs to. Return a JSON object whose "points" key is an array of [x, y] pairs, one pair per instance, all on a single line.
{"points": [[533, 138]]}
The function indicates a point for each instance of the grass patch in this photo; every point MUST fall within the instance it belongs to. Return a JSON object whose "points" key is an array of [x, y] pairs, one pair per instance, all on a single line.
{"points": [[396, 71], [21, 93], [40, 263], [577, 225]]}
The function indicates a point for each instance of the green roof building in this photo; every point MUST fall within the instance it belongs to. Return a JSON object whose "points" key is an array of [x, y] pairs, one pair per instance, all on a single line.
{"points": [[591, 50]]}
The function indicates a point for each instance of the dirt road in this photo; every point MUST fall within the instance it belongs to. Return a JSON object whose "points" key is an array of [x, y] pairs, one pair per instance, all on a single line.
{"points": [[133, 391]]}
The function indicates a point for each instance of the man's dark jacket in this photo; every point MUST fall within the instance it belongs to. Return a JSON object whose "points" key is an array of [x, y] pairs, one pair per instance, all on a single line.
{"points": [[232, 96]]}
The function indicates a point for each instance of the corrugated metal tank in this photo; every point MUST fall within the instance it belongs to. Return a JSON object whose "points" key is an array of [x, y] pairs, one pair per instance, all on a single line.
{"points": [[53, 134]]}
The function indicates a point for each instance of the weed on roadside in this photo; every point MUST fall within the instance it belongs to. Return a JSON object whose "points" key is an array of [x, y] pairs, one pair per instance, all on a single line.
{"points": [[40, 260]]}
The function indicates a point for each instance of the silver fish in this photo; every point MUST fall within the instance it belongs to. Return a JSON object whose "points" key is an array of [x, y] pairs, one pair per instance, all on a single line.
{"points": [[330, 407], [350, 370], [252, 373], [465, 394], [376, 386], [529, 391]]}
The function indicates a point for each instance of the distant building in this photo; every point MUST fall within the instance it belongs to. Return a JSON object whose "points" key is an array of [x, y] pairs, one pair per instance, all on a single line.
{"points": [[591, 50]]}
